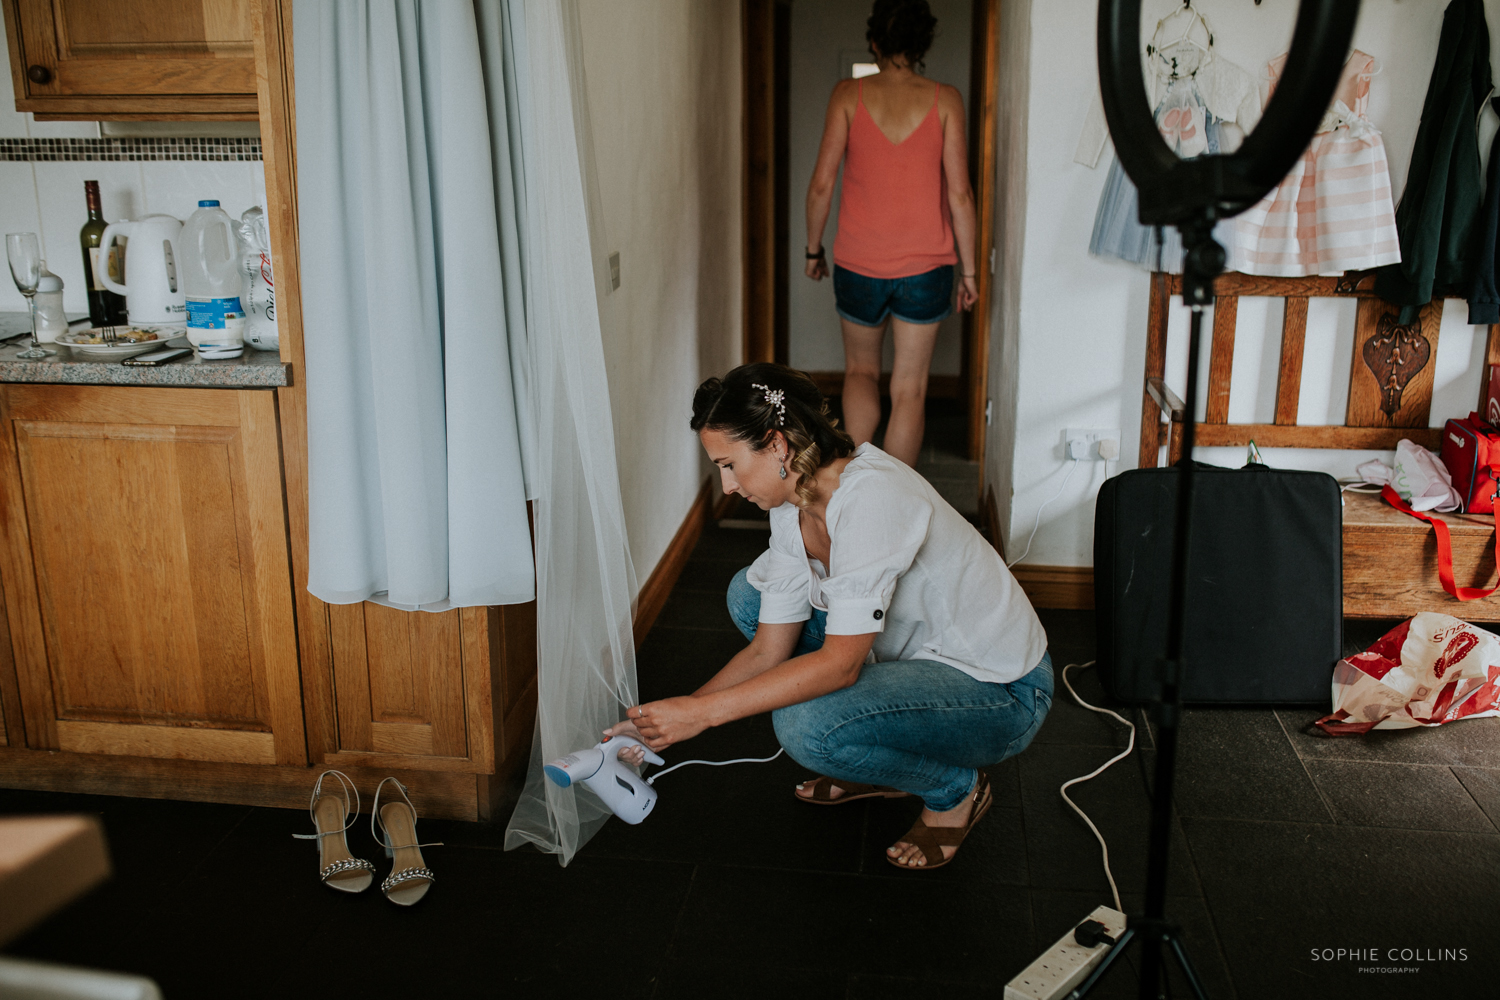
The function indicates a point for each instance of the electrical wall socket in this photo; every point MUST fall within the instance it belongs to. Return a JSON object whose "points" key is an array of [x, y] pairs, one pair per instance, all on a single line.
{"points": [[1101, 445], [1066, 964]]}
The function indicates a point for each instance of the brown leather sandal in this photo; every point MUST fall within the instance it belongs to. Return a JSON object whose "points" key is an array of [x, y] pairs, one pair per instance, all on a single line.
{"points": [[822, 792], [931, 840]]}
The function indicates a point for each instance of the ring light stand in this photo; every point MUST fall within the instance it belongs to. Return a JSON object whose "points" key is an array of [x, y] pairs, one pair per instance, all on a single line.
{"points": [[1192, 195]]}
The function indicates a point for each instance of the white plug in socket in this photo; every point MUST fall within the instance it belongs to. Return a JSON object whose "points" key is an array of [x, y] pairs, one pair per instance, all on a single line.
{"points": [[1100, 444], [1066, 964]]}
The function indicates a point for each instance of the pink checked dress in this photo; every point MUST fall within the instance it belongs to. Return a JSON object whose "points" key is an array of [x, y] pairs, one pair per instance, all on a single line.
{"points": [[1333, 212]]}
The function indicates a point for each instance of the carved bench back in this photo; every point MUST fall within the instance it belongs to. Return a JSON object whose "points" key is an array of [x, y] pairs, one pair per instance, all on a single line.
{"points": [[1390, 379]]}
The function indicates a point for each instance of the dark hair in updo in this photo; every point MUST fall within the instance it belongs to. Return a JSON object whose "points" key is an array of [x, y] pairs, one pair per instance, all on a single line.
{"points": [[736, 406], [901, 27]]}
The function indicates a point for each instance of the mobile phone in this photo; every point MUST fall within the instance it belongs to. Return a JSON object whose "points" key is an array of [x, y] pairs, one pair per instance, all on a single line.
{"points": [[155, 358]]}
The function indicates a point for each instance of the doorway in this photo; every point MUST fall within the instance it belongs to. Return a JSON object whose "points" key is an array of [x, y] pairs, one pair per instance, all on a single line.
{"points": [[795, 50]]}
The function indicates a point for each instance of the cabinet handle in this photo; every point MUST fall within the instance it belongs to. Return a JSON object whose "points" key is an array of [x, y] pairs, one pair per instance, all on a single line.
{"points": [[39, 74]]}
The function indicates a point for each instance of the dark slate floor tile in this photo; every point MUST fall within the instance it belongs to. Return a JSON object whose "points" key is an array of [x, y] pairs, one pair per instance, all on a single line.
{"points": [[1279, 892], [695, 978], [176, 836], [1409, 796], [677, 661], [697, 610], [1237, 763], [731, 544], [1469, 742], [743, 814], [899, 988], [1071, 724], [919, 928], [711, 575], [1061, 851], [1057, 912], [1483, 783], [1070, 636]]}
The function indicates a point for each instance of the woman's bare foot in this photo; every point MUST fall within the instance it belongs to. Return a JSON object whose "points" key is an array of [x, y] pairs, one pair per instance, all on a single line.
{"points": [[904, 853]]}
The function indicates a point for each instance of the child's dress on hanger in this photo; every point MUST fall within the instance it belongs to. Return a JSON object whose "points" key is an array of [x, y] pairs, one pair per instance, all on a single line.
{"points": [[1193, 99], [1333, 212]]}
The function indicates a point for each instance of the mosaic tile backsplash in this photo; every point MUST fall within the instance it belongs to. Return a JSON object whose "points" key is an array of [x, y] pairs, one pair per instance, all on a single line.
{"points": [[126, 149]]}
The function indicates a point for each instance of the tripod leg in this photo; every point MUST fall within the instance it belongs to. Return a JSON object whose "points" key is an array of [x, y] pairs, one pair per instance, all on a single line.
{"points": [[1115, 951], [1187, 967]]}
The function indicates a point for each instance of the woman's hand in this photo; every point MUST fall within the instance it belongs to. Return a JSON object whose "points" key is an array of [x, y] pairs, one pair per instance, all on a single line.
{"points": [[817, 268], [659, 724], [634, 756], [968, 292]]}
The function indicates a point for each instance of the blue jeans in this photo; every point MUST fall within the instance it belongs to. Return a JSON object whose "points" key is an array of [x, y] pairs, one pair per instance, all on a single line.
{"points": [[918, 725], [918, 299]]}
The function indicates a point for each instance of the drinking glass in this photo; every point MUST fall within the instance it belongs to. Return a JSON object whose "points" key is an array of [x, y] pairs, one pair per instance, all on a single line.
{"points": [[26, 269]]}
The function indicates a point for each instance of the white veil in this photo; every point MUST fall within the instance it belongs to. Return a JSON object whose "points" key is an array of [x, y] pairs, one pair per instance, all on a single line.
{"points": [[585, 579]]}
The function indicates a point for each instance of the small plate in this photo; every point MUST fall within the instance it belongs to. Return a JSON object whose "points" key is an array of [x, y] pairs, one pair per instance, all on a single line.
{"points": [[114, 352]]}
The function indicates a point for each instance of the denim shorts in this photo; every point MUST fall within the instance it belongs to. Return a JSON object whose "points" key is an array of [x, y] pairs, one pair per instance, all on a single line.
{"points": [[919, 298]]}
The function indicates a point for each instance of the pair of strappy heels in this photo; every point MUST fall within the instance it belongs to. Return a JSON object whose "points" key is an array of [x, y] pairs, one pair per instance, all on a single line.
{"points": [[393, 826]]}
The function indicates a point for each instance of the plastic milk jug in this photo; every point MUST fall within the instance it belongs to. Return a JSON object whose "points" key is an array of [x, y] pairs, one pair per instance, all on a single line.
{"points": [[210, 272]]}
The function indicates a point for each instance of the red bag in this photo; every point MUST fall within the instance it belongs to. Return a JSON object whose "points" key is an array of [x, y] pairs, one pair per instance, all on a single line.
{"points": [[1427, 671], [1471, 453]]}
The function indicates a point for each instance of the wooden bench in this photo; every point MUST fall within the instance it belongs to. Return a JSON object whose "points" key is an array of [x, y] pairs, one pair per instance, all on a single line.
{"points": [[1390, 559]]}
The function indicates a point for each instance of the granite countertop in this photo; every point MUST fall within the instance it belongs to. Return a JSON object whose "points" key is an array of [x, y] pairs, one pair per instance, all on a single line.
{"points": [[251, 370]]}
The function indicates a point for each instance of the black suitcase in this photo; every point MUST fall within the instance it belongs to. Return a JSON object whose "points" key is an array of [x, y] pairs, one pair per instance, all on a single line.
{"points": [[1265, 584]]}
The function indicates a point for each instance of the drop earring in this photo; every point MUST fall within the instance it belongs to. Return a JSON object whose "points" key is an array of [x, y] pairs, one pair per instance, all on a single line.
{"points": [[782, 470]]}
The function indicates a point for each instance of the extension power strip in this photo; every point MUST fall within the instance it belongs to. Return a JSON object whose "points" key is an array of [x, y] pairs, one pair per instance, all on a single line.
{"points": [[1066, 964]]}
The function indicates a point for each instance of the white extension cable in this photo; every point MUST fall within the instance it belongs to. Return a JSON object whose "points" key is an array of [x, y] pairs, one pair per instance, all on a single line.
{"points": [[1043, 507], [716, 763], [1095, 773]]}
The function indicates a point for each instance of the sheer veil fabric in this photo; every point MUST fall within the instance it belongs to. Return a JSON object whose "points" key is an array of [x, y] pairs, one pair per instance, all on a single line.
{"points": [[417, 364], [585, 578], [455, 360]]}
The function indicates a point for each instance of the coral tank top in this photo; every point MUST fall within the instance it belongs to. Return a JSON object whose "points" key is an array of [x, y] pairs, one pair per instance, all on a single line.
{"points": [[894, 220]]}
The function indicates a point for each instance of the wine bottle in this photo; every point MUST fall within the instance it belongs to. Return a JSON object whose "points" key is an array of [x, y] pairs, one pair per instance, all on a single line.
{"points": [[105, 307]]}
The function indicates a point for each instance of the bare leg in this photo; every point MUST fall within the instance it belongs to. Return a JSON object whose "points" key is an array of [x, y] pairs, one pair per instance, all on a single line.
{"points": [[862, 346], [914, 343]]}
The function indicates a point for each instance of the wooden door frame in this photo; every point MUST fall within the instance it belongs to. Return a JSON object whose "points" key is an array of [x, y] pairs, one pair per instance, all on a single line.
{"points": [[766, 40]]}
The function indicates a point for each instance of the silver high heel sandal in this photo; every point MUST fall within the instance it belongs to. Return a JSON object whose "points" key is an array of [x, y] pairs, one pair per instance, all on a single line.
{"points": [[331, 817], [394, 827]]}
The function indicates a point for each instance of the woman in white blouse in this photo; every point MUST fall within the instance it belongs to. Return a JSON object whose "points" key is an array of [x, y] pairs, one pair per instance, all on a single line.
{"points": [[893, 648]]}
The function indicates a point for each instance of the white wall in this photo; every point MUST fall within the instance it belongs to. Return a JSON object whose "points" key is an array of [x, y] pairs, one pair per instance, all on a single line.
{"points": [[47, 198], [1080, 322], [822, 30], [664, 91]]}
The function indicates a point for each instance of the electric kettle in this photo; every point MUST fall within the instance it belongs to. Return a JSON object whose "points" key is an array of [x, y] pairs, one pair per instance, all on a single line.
{"points": [[153, 295]]}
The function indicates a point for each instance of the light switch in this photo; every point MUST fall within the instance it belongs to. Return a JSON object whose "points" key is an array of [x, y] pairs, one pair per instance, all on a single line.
{"points": [[614, 270]]}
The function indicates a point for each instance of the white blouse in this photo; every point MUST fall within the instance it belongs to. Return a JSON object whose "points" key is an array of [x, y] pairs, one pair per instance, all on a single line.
{"points": [[907, 566]]}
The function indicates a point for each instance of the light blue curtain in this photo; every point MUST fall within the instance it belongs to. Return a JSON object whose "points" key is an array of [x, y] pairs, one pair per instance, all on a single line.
{"points": [[413, 308]]}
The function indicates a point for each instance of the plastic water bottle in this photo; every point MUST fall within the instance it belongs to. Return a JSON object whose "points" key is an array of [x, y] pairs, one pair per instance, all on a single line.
{"points": [[210, 274]]}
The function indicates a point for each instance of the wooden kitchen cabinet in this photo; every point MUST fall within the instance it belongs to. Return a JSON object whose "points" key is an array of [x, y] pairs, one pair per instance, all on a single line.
{"points": [[122, 59], [449, 691], [143, 548]]}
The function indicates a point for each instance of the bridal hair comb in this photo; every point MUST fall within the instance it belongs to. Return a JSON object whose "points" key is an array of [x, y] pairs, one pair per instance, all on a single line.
{"points": [[775, 398]]}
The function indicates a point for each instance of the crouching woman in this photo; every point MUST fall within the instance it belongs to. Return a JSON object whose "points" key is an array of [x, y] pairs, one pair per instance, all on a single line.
{"points": [[893, 648]]}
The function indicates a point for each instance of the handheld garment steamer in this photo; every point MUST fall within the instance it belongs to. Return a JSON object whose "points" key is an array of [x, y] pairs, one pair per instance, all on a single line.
{"points": [[600, 767], [628, 795]]}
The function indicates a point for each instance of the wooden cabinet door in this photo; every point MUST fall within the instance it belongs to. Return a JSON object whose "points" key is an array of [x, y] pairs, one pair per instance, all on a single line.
{"points": [[430, 691], [144, 551], [133, 58]]}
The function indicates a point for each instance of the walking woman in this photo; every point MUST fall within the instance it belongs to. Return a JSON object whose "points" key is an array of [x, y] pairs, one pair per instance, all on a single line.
{"points": [[893, 649], [906, 202]]}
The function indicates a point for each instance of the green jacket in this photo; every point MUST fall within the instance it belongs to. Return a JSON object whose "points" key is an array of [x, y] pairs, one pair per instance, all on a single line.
{"points": [[1438, 217]]}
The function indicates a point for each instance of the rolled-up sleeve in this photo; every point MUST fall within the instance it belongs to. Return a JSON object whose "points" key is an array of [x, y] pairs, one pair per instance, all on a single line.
{"points": [[877, 538], [783, 579]]}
